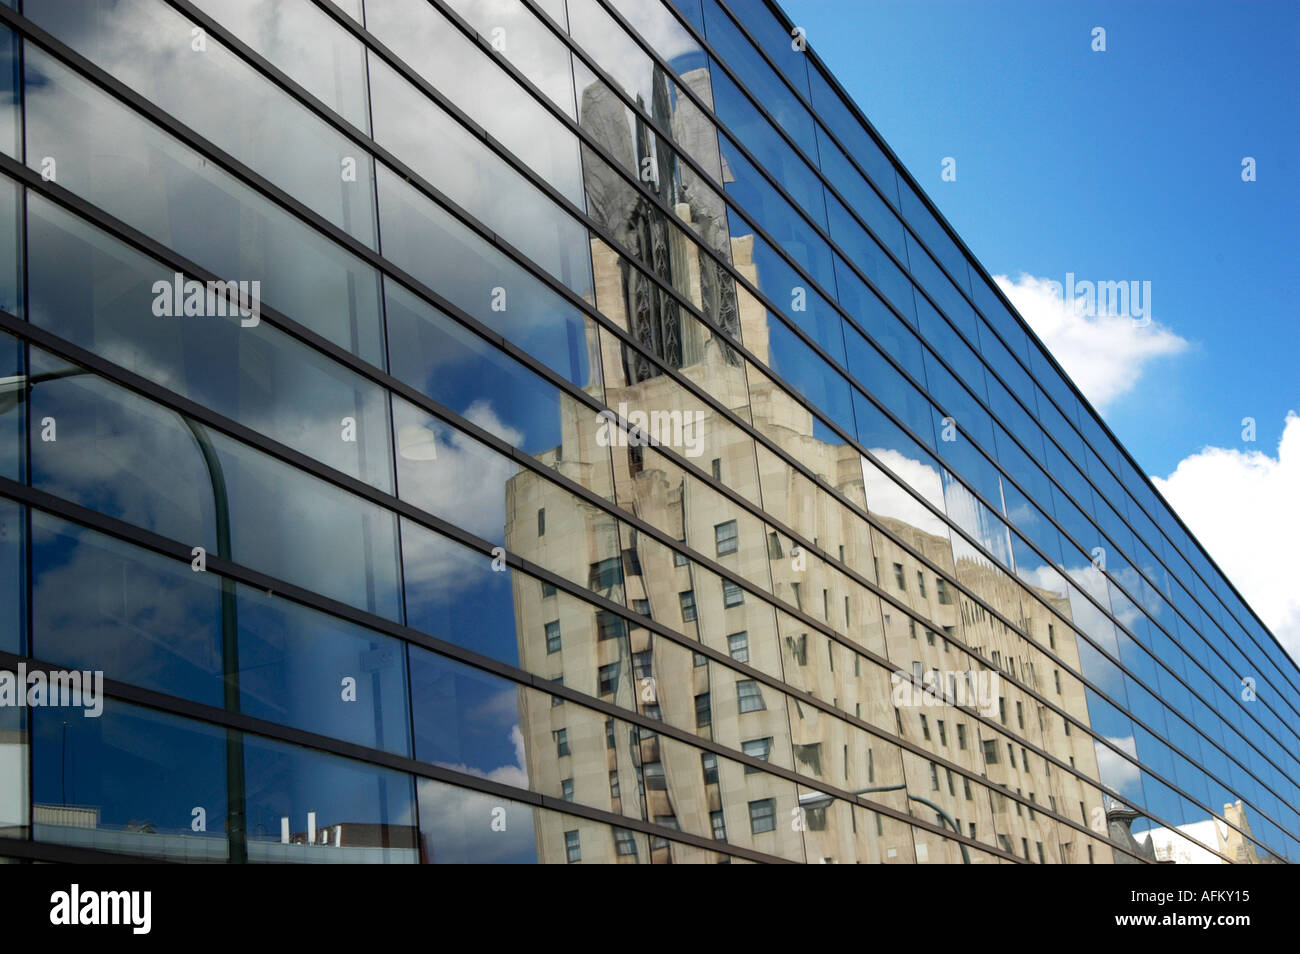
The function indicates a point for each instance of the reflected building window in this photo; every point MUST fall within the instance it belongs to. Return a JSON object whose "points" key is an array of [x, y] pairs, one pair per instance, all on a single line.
{"points": [[610, 625], [606, 574], [756, 748], [750, 696], [709, 763], [624, 843], [687, 600], [607, 679], [725, 536], [703, 711], [762, 815]]}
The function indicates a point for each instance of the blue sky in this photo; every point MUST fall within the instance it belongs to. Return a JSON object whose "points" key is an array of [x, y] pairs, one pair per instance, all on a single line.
{"points": [[1125, 165]]}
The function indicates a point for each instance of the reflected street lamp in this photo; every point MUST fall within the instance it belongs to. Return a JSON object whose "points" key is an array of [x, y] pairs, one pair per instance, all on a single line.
{"points": [[13, 391]]}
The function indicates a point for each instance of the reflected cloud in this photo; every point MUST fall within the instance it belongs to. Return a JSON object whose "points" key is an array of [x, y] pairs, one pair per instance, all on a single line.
{"points": [[1117, 773], [886, 497]]}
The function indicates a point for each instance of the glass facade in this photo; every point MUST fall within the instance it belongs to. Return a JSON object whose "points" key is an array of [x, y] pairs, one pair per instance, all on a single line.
{"points": [[560, 431]]}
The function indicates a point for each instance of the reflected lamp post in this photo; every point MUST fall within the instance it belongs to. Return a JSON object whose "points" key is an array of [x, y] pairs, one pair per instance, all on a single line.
{"points": [[13, 391]]}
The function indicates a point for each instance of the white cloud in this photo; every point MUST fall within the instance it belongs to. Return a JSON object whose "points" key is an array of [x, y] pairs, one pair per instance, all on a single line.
{"points": [[466, 480], [1103, 353], [889, 499], [1117, 773], [1245, 508], [516, 775]]}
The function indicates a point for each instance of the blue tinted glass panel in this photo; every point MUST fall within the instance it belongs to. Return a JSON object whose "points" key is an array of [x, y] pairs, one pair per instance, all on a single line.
{"points": [[739, 54], [884, 327], [934, 235], [334, 809], [870, 258], [760, 201], [825, 387], [876, 374], [785, 166], [860, 196], [13, 614], [138, 779], [857, 141]]}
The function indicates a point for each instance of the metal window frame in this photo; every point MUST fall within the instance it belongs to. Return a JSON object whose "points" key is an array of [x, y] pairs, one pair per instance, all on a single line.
{"points": [[828, 561]]}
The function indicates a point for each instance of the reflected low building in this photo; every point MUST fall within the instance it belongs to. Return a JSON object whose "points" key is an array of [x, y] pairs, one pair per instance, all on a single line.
{"points": [[1188, 845], [627, 464]]}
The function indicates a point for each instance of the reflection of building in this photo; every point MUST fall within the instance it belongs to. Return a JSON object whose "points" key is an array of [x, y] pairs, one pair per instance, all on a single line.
{"points": [[1119, 821], [1187, 845], [341, 843], [634, 772]]}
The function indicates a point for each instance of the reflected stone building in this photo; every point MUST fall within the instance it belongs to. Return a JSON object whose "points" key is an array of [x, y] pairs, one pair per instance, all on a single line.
{"points": [[637, 772]]}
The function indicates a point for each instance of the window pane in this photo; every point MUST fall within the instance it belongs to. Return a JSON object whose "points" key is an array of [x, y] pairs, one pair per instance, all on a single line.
{"points": [[111, 156], [537, 52], [333, 809], [465, 718], [13, 614], [417, 33], [748, 189], [426, 241], [772, 152], [131, 459], [132, 780], [860, 196], [450, 474], [10, 118], [870, 258], [223, 99], [860, 144], [303, 668], [11, 250], [461, 166], [96, 604], [462, 826], [739, 54], [95, 291], [13, 409], [305, 42]]}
